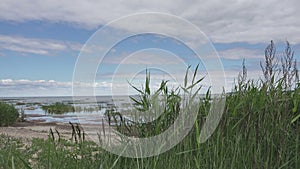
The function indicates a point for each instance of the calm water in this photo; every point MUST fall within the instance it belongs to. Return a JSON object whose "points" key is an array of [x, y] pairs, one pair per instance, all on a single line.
{"points": [[32, 108]]}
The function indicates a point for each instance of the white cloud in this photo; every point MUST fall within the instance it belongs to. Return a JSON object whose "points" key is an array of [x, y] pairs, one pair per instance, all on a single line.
{"points": [[119, 85], [35, 46], [224, 22], [230, 21], [26, 87], [37, 83], [241, 53]]}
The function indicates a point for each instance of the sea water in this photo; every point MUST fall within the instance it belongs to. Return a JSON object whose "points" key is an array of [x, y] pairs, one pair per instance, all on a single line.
{"points": [[32, 107]]}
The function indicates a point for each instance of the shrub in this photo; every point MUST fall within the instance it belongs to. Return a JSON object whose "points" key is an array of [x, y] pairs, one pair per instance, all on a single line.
{"points": [[8, 114]]}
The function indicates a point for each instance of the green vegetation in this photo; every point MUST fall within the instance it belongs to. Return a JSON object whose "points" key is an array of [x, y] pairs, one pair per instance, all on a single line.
{"points": [[148, 103], [58, 108], [8, 114], [259, 129], [61, 108], [50, 153]]}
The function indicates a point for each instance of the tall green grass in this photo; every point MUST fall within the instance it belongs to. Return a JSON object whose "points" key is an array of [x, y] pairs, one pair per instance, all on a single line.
{"points": [[259, 129]]}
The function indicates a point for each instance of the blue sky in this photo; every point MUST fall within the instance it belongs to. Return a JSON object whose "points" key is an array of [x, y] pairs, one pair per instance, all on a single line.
{"points": [[40, 41]]}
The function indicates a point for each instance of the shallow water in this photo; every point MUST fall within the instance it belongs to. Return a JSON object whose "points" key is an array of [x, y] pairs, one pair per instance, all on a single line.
{"points": [[33, 111], [75, 117]]}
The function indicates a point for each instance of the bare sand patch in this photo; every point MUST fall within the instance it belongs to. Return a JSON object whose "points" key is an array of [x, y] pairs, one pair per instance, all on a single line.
{"points": [[39, 129]]}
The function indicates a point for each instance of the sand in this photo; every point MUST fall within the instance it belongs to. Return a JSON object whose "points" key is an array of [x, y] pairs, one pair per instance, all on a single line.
{"points": [[38, 129]]}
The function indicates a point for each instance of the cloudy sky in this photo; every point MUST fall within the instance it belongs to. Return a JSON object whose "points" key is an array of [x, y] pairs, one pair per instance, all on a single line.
{"points": [[40, 41]]}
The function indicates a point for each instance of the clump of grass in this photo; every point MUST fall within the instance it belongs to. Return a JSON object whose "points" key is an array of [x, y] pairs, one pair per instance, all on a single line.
{"points": [[10, 151], [259, 128], [262, 115], [58, 108], [61, 108], [77, 133], [143, 122], [8, 114]]}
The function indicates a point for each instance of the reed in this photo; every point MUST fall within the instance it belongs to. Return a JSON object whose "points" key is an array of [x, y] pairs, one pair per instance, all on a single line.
{"points": [[259, 129]]}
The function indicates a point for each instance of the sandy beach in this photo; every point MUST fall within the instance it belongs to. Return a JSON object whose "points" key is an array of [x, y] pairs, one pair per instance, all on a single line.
{"points": [[35, 129], [39, 129]]}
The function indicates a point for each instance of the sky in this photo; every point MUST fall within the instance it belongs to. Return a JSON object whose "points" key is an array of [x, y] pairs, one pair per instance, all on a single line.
{"points": [[44, 43]]}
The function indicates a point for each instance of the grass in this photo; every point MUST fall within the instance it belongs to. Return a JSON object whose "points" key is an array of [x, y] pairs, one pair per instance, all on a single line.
{"points": [[259, 129], [58, 108], [61, 108]]}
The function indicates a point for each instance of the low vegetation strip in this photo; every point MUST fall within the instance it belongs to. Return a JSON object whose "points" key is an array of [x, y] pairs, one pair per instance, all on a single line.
{"points": [[58, 108], [61, 108]]}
